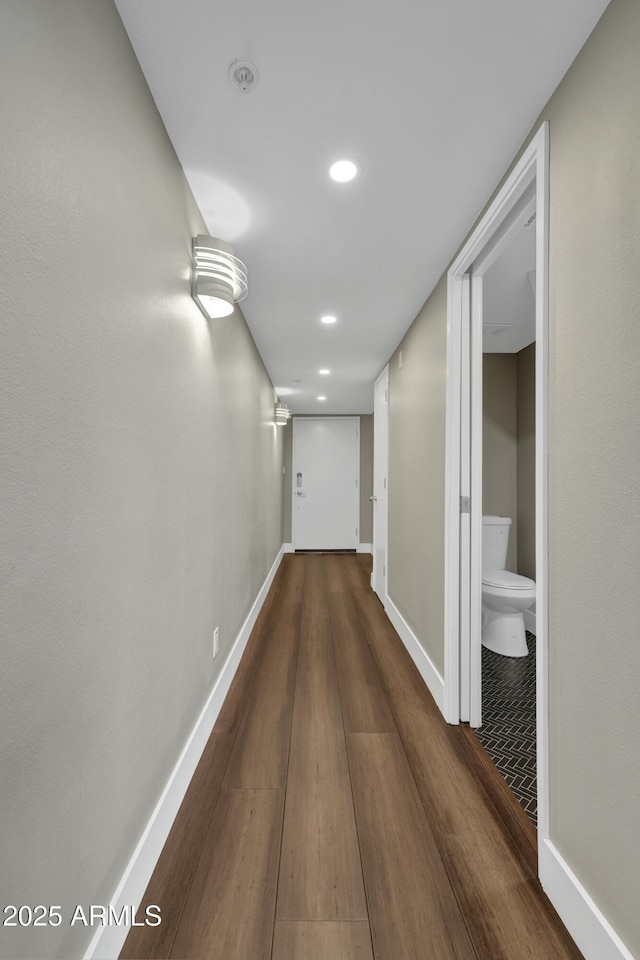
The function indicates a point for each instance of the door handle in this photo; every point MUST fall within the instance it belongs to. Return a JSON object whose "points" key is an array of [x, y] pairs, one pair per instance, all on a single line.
{"points": [[299, 493], [373, 499]]}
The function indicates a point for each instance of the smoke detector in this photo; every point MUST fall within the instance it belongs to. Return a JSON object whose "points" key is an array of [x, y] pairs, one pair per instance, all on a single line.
{"points": [[244, 75]]}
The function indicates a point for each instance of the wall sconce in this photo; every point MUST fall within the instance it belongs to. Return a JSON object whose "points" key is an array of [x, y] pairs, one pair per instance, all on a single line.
{"points": [[218, 278], [281, 414]]}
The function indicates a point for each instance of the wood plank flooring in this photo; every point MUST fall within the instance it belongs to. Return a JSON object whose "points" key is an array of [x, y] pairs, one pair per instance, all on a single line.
{"points": [[334, 815], [320, 873], [323, 940]]}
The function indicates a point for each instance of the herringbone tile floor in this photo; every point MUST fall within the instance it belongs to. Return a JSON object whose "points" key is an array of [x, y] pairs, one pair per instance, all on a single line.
{"points": [[508, 731]]}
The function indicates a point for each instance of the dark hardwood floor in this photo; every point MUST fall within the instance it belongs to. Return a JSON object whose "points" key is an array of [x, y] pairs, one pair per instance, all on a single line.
{"points": [[334, 814]]}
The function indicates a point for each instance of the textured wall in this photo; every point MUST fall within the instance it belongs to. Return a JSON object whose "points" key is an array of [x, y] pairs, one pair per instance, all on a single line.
{"points": [[141, 472], [526, 409], [500, 444], [594, 469], [366, 478], [417, 394]]}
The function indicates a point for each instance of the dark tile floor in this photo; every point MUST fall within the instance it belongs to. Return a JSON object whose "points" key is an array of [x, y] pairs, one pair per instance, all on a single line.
{"points": [[508, 731]]}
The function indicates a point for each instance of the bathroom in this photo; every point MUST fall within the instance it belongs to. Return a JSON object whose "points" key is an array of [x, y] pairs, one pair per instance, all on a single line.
{"points": [[508, 731]]}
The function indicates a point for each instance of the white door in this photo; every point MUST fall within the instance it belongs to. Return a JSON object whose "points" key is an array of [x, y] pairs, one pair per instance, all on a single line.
{"points": [[380, 468], [465, 499], [326, 479]]}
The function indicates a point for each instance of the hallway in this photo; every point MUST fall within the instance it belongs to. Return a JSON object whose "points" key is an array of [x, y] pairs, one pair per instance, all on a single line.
{"points": [[334, 815]]}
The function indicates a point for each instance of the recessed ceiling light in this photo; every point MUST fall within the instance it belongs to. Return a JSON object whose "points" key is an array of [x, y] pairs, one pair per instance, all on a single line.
{"points": [[328, 319], [343, 170], [322, 398], [324, 372]]}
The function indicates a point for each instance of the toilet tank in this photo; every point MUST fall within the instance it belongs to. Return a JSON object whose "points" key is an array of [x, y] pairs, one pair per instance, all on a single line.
{"points": [[495, 540]]}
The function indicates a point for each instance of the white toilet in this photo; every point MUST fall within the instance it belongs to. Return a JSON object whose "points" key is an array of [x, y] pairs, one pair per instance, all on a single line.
{"points": [[505, 595]]}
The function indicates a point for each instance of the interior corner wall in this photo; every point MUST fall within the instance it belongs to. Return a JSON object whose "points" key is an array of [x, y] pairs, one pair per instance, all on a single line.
{"points": [[417, 401], [594, 469], [142, 472], [366, 478], [500, 444]]}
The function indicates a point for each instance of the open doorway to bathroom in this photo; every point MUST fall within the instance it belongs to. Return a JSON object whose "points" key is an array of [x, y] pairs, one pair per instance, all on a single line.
{"points": [[485, 348], [508, 654]]}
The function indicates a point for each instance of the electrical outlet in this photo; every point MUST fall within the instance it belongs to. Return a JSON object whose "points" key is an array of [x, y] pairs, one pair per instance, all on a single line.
{"points": [[216, 641]]}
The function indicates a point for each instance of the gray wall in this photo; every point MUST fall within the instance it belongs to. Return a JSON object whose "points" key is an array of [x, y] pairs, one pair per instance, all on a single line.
{"points": [[366, 478], [526, 436], [287, 492], [594, 468], [500, 444], [417, 393], [141, 471], [509, 451]]}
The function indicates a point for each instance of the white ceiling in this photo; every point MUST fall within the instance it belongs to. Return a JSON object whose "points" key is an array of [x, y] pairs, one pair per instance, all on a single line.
{"points": [[432, 99], [508, 298]]}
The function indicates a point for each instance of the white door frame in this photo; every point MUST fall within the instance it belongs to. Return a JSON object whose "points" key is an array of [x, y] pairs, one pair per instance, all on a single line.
{"points": [[492, 233], [384, 375], [329, 419]]}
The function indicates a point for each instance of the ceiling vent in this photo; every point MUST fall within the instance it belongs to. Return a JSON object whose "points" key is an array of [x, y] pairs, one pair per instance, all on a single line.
{"points": [[495, 329], [244, 75]]}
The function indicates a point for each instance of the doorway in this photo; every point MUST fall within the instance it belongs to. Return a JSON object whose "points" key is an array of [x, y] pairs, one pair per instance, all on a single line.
{"points": [[523, 196], [326, 481], [508, 654]]}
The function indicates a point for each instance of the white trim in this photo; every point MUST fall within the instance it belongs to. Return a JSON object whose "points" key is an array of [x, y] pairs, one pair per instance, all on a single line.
{"points": [[465, 491], [530, 620], [383, 376], [287, 548], [107, 941], [475, 523], [510, 193], [590, 929], [542, 478], [489, 235], [418, 654], [507, 230], [452, 493]]}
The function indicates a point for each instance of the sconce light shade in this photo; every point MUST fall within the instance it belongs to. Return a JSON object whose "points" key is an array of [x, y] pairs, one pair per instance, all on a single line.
{"points": [[218, 278], [281, 414]]}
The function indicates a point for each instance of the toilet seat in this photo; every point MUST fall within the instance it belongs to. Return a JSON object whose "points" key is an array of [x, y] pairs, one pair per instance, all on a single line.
{"points": [[506, 580]]}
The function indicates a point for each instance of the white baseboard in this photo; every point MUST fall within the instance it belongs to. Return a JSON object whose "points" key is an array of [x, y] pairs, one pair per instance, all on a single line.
{"points": [[428, 672], [590, 929], [288, 548], [108, 941], [530, 620]]}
